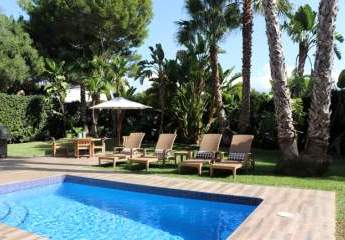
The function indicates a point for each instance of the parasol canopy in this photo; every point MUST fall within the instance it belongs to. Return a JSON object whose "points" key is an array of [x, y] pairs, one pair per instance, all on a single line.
{"points": [[120, 103]]}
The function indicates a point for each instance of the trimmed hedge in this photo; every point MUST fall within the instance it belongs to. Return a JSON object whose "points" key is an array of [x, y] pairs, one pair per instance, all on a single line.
{"points": [[25, 116]]}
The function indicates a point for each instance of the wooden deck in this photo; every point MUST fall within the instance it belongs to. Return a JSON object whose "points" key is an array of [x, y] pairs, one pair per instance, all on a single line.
{"points": [[313, 212]]}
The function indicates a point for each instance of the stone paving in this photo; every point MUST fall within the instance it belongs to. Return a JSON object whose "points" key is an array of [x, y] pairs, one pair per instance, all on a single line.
{"points": [[312, 212]]}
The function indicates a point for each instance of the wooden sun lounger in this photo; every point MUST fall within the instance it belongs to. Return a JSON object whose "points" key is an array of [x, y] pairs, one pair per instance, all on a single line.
{"points": [[207, 153], [239, 155], [122, 154], [164, 146]]}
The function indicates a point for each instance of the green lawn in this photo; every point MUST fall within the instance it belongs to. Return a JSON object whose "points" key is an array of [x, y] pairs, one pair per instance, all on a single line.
{"points": [[30, 149], [264, 174]]}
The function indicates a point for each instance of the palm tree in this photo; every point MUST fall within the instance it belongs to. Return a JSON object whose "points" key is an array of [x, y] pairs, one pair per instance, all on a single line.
{"points": [[299, 86], [287, 137], [247, 32], [211, 19], [315, 155], [95, 86], [154, 70], [116, 82], [108, 77], [302, 28], [192, 98]]}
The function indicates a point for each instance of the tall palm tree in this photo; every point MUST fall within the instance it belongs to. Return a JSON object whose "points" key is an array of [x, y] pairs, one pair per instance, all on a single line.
{"points": [[287, 137], [211, 19], [154, 70], [247, 31], [302, 28], [315, 154]]}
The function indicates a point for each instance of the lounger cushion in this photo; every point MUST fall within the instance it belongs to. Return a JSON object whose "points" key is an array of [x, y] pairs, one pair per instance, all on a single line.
{"points": [[237, 156], [126, 151], [160, 153], [204, 155]]}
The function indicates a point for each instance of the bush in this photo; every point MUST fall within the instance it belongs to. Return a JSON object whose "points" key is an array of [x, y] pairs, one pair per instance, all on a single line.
{"points": [[25, 116]]}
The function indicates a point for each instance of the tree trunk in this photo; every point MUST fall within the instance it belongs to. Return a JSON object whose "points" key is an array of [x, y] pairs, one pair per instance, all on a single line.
{"points": [[287, 137], [217, 105], [83, 107], [315, 155], [302, 57], [94, 122], [95, 115], [247, 19]]}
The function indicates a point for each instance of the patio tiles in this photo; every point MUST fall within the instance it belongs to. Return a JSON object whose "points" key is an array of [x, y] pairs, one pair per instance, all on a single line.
{"points": [[313, 211]]}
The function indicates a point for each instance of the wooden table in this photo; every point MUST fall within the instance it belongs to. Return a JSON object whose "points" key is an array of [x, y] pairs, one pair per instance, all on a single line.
{"points": [[85, 144]]}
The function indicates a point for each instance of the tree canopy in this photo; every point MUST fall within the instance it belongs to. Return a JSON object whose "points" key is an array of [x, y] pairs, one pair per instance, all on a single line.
{"points": [[82, 28], [19, 60]]}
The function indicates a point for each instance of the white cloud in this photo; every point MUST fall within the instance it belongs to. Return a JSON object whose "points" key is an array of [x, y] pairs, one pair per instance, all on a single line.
{"points": [[261, 82]]}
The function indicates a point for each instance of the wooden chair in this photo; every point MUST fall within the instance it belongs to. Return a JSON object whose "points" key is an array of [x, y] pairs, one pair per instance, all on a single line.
{"points": [[239, 155], [208, 150], [101, 147], [163, 148], [85, 145], [58, 146]]}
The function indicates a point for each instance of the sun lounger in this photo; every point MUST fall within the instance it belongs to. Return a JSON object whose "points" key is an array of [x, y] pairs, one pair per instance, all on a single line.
{"points": [[131, 148], [163, 148], [239, 155], [207, 153]]}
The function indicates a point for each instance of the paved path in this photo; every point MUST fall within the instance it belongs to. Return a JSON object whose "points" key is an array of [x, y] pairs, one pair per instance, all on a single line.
{"points": [[313, 211]]}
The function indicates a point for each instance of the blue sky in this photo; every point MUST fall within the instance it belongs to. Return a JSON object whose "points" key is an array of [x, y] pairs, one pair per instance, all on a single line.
{"points": [[163, 29]]}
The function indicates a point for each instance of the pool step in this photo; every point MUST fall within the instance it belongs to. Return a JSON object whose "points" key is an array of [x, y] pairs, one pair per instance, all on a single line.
{"points": [[5, 210], [16, 214]]}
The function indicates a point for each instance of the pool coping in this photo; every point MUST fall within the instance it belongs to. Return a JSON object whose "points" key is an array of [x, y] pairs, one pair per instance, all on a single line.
{"points": [[262, 223]]}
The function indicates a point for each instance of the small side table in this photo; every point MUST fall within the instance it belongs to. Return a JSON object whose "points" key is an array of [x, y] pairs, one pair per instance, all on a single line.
{"points": [[183, 155]]}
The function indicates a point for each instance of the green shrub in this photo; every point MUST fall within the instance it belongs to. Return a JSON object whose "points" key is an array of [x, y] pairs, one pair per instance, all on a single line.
{"points": [[25, 116]]}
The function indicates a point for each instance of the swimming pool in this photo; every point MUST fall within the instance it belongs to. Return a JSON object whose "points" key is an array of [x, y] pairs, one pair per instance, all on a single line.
{"points": [[80, 208]]}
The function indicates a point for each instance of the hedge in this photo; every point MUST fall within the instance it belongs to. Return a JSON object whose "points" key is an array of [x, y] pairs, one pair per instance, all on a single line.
{"points": [[25, 116]]}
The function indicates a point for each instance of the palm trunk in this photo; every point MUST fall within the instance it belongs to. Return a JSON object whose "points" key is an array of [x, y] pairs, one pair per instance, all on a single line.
{"points": [[244, 119], [302, 57], [217, 105], [64, 118], [287, 137], [315, 155], [95, 115], [83, 106], [94, 123]]}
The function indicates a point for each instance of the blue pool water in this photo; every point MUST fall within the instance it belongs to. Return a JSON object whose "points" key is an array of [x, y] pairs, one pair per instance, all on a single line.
{"points": [[69, 210]]}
